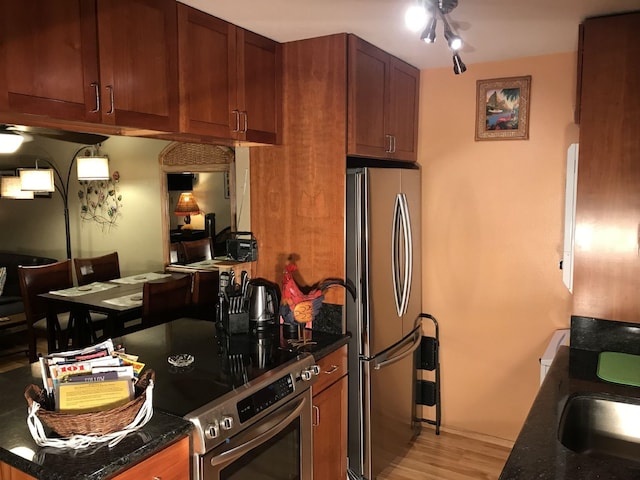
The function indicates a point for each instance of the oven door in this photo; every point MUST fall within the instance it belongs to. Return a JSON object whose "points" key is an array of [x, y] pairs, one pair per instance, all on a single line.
{"points": [[279, 447]]}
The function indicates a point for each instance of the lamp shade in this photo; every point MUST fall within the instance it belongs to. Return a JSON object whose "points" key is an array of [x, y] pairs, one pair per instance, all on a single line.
{"points": [[10, 142], [10, 188], [37, 179], [93, 168], [187, 205]]}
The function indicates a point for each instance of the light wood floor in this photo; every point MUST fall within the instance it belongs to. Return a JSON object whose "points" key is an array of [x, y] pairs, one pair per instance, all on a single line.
{"points": [[449, 456], [20, 359]]}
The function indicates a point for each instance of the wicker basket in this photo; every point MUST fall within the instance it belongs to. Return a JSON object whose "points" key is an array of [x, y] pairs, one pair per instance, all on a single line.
{"points": [[100, 423]]}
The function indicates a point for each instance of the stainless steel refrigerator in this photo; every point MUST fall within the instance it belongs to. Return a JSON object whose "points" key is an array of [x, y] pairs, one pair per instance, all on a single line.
{"points": [[384, 264]]}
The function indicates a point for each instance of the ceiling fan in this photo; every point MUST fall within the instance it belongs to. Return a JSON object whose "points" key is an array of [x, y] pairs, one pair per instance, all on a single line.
{"points": [[424, 14]]}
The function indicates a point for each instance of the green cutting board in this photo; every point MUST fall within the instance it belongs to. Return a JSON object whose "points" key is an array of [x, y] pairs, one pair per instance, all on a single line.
{"points": [[617, 367]]}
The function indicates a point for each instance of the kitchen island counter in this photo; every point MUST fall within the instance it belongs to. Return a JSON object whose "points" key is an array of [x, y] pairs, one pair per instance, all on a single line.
{"points": [[18, 449], [538, 453]]}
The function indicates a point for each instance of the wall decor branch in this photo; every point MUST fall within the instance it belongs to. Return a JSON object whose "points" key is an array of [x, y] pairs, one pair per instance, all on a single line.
{"points": [[100, 201]]}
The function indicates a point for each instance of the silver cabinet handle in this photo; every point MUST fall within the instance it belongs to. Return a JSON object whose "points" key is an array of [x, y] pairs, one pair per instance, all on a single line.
{"points": [[236, 115], [393, 143], [390, 140], [111, 99], [246, 122], [316, 416], [96, 89], [333, 369]]}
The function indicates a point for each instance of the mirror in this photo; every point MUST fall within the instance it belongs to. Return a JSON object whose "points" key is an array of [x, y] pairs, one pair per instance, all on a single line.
{"points": [[207, 172]]}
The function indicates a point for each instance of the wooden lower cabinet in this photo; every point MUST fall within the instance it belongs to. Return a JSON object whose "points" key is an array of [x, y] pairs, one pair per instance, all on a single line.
{"points": [[172, 463], [8, 472], [330, 418]]}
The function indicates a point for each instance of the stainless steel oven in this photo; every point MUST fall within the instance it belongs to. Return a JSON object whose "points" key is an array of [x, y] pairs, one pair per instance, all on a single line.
{"points": [[276, 448], [262, 430]]}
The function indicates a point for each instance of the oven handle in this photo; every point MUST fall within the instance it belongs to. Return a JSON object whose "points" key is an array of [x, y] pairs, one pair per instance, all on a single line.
{"points": [[278, 423]]}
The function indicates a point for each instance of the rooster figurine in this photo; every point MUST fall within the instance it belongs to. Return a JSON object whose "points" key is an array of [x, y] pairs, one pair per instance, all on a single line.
{"points": [[297, 307]]}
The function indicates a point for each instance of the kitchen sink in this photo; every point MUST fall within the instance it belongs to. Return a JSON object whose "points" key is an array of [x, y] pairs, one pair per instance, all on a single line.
{"points": [[596, 424]]}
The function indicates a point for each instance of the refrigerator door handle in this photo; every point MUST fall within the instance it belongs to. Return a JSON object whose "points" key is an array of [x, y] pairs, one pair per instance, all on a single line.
{"points": [[383, 360], [395, 255], [408, 252]]}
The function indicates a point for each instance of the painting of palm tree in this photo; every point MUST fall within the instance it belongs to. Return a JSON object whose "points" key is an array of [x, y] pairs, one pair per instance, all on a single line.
{"points": [[503, 108]]}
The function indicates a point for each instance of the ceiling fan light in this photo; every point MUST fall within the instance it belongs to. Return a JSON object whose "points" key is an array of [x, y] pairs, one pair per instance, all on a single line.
{"points": [[458, 66], [454, 41], [415, 17], [93, 168], [429, 33], [37, 179], [10, 142]]}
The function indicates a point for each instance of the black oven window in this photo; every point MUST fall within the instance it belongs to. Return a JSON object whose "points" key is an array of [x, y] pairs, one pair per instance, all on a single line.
{"points": [[277, 459]]}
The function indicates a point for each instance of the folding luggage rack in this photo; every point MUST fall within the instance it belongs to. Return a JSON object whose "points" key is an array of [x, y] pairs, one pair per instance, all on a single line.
{"points": [[428, 358]]}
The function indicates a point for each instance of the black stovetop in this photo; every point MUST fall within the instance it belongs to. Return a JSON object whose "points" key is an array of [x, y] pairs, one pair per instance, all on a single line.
{"points": [[221, 362]]}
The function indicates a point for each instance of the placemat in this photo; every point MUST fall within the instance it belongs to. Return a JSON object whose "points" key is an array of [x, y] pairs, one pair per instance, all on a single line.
{"points": [[133, 300], [141, 278], [616, 367], [84, 289]]}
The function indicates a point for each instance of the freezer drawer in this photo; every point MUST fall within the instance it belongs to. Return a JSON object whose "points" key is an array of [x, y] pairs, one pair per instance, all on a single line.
{"points": [[387, 388]]}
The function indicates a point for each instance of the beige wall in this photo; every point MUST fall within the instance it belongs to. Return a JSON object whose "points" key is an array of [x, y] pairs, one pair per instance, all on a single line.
{"points": [[37, 226], [493, 233]]}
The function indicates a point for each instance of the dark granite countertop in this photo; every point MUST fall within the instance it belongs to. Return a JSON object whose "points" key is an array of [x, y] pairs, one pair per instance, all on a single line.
{"points": [[538, 453], [18, 449]]}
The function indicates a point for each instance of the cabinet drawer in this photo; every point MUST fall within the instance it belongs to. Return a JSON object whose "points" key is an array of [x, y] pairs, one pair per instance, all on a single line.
{"points": [[172, 463], [332, 368]]}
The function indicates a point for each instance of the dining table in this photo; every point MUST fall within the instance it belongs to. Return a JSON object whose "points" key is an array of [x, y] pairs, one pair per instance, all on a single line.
{"points": [[120, 300]]}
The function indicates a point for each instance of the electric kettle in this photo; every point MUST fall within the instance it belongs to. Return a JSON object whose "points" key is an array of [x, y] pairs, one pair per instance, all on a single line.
{"points": [[264, 304]]}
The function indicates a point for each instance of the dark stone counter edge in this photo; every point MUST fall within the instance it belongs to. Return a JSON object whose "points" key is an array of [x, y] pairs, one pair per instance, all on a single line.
{"points": [[538, 453], [161, 431]]}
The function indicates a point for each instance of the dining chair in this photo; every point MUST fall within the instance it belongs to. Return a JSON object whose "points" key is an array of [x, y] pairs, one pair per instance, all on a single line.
{"points": [[197, 250], [163, 301], [97, 269], [204, 294], [35, 280]]}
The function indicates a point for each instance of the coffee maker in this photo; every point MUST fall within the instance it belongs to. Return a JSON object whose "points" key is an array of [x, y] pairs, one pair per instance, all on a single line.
{"points": [[264, 304]]}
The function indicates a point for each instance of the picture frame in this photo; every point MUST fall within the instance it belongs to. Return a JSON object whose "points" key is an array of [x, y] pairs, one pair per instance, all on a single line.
{"points": [[502, 111]]}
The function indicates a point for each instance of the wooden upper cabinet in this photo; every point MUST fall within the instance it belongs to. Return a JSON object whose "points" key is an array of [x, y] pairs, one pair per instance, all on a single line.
{"points": [[49, 58], [259, 88], [139, 63], [607, 235], [106, 61], [230, 80], [383, 104]]}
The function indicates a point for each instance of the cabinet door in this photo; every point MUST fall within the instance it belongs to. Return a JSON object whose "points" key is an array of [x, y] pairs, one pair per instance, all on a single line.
{"points": [[49, 59], [138, 42], [368, 100], [260, 88], [208, 79], [607, 263], [172, 463], [330, 432], [8, 472], [404, 87]]}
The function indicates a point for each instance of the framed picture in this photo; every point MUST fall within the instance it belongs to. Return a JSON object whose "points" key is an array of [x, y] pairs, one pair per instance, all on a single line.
{"points": [[503, 108]]}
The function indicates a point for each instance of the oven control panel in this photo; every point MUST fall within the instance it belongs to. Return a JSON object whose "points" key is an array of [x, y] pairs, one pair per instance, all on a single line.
{"points": [[218, 421], [252, 405]]}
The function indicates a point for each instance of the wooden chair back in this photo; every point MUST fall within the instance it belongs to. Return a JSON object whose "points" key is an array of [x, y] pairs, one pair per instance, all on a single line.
{"points": [[205, 287], [197, 250], [163, 301], [34, 281], [97, 269]]}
